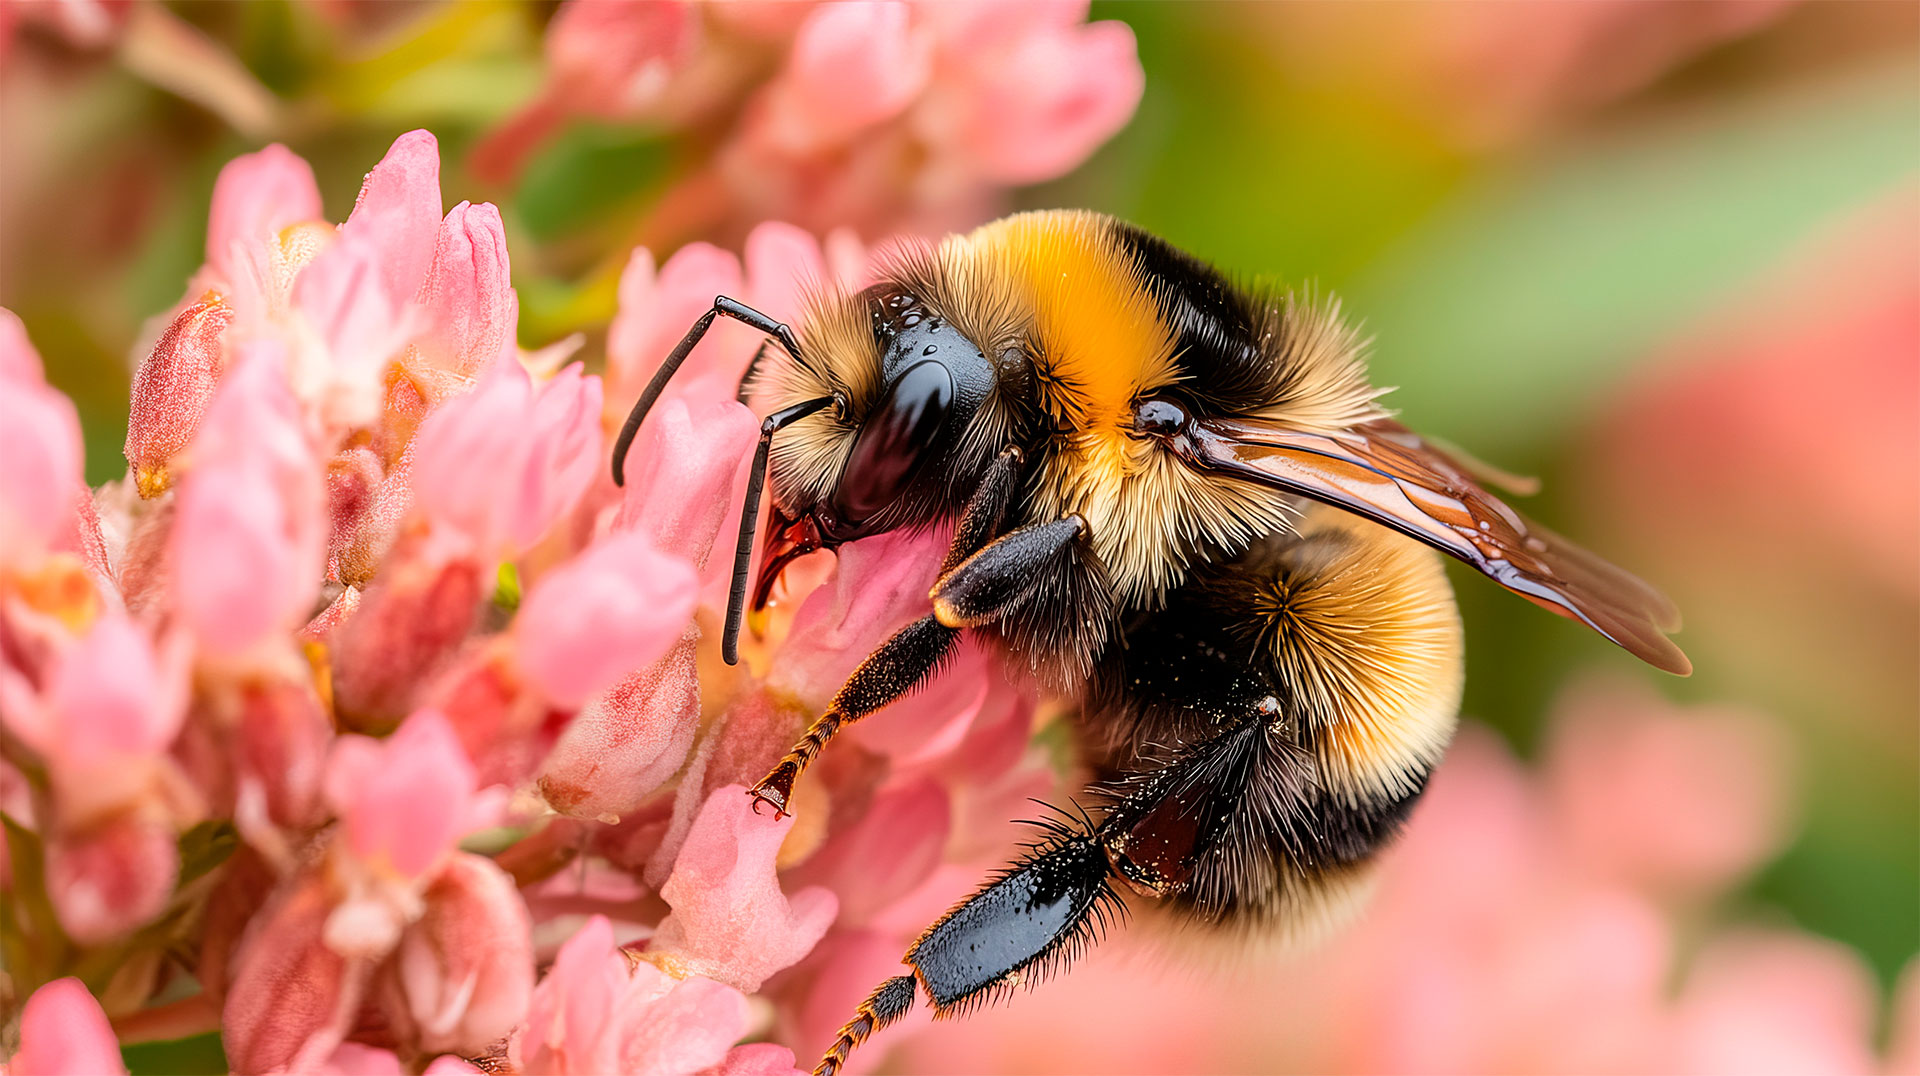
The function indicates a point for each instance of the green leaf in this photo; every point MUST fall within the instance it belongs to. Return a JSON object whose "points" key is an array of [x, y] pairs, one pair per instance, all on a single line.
{"points": [[31, 940], [205, 847], [1504, 317], [192, 1056]]}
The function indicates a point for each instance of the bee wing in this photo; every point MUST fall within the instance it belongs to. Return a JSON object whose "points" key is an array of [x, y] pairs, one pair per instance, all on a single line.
{"points": [[1385, 472]]}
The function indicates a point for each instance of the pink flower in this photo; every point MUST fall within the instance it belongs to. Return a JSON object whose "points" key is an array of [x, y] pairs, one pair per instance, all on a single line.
{"points": [[640, 730], [62, 1031], [617, 606], [256, 197], [502, 492], [404, 800], [881, 115], [1776, 1002], [247, 539], [40, 453], [292, 997], [462, 975], [730, 919], [596, 1012], [397, 213], [171, 389], [113, 877]]}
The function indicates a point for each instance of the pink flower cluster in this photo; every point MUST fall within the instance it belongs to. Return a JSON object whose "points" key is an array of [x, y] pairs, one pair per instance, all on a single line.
{"points": [[876, 115], [366, 696]]}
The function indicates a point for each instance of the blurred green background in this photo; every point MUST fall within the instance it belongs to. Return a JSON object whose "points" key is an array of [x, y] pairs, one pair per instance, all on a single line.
{"points": [[1531, 252]]}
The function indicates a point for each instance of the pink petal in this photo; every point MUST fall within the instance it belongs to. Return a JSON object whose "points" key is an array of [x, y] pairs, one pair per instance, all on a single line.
{"points": [[570, 1021], [1047, 102], [353, 1059], [888, 851], [291, 999], [564, 452], [657, 309], [468, 293], [404, 801], [852, 66], [63, 1031], [1680, 802], [111, 697], [361, 322], [256, 196], [500, 464], [463, 974], [1776, 1003], [878, 585], [755, 1059], [449, 1065], [113, 879], [398, 212], [627, 742], [783, 262], [40, 454], [730, 920], [681, 478], [687, 1030], [280, 745], [19, 362], [171, 390]]}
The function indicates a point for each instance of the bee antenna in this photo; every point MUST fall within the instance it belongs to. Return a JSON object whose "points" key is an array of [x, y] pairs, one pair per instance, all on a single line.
{"points": [[722, 307], [750, 518]]}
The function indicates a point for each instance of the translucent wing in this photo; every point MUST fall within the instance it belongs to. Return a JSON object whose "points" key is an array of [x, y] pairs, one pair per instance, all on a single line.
{"points": [[1385, 472]]}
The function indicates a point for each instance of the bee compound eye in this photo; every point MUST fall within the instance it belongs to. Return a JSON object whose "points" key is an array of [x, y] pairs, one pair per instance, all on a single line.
{"points": [[899, 436]]}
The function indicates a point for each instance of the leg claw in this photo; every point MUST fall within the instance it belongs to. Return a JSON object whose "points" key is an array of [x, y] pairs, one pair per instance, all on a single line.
{"points": [[775, 789]]}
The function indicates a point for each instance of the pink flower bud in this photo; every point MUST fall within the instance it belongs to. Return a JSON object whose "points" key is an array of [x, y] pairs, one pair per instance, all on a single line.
{"points": [[63, 1031], [291, 999], [398, 213], [409, 624], [610, 610], [852, 66], [730, 920], [112, 878], [40, 454], [501, 463], [571, 1021], [627, 742], [403, 801], [256, 196], [171, 390], [462, 975], [468, 293]]}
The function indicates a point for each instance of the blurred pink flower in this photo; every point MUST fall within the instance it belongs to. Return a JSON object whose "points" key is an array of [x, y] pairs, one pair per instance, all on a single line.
{"points": [[502, 492], [40, 453], [404, 800], [462, 975], [469, 298], [879, 115], [257, 196], [63, 1031]]}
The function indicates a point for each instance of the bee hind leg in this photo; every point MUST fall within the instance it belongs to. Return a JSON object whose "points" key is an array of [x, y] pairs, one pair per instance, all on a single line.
{"points": [[912, 654], [1026, 923]]}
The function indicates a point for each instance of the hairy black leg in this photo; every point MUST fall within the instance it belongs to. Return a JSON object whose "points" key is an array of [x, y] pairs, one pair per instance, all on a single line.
{"points": [[907, 658], [885, 1005], [997, 579], [722, 307]]}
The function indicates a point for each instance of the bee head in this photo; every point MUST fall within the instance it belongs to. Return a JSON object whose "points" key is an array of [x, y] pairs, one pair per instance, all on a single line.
{"points": [[907, 383]]}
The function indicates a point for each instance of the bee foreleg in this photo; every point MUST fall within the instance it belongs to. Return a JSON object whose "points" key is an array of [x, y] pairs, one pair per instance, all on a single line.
{"points": [[1022, 926], [900, 665]]}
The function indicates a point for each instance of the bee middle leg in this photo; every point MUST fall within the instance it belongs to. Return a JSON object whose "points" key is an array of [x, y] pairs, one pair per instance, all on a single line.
{"points": [[984, 572]]}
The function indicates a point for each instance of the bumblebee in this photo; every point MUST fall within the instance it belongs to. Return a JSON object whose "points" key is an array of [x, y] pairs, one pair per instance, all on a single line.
{"points": [[1176, 502]]}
